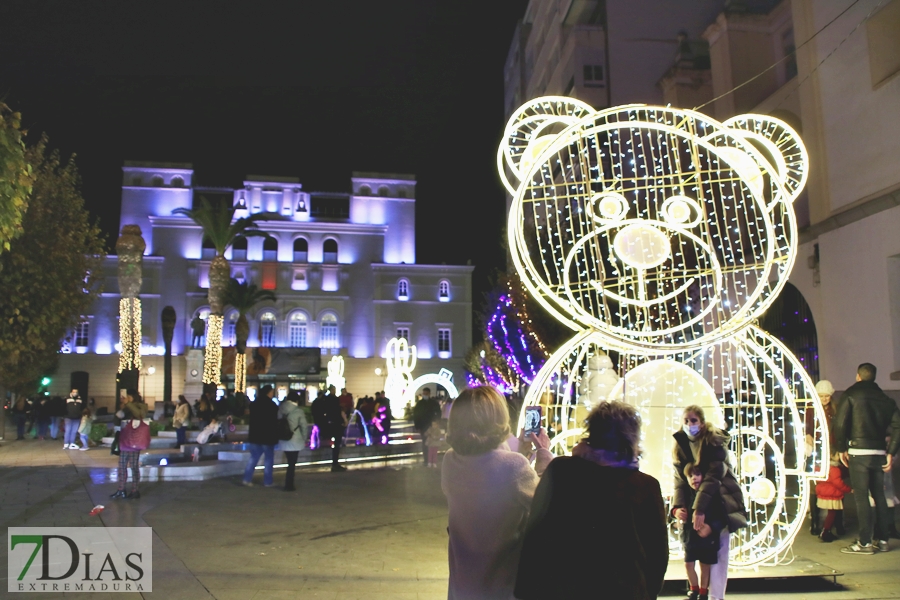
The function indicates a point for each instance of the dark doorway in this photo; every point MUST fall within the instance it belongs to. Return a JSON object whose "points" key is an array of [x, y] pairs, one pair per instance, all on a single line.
{"points": [[78, 380], [790, 320]]}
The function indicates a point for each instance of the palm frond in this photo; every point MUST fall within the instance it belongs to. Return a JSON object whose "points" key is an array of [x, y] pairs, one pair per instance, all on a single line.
{"points": [[218, 223], [244, 296]]}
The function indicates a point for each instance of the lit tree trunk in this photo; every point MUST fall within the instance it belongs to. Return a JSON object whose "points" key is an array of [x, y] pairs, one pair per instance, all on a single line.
{"points": [[130, 249], [168, 327], [219, 274], [241, 333]]}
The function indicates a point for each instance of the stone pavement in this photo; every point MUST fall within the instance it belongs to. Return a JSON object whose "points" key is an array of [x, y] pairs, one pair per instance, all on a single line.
{"points": [[367, 533]]}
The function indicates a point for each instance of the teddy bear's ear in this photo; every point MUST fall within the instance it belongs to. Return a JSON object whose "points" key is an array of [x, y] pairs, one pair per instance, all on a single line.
{"points": [[780, 146], [531, 129]]}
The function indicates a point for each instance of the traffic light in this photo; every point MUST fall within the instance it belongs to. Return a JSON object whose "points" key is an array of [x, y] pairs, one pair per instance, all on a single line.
{"points": [[45, 382]]}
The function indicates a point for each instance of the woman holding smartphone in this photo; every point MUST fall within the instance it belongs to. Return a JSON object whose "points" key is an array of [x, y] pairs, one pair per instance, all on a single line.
{"points": [[489, 490]]}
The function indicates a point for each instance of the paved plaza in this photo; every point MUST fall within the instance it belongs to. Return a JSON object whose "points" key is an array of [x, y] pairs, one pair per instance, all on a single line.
{"points": [[368, 533]]}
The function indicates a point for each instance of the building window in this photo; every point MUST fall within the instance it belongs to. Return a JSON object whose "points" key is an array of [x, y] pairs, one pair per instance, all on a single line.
{"points": [[239, 248], [269, 276], [230, 336], [402, 193], [444, 343], [270, 249], [156, 181], [208, 250], [297, 330], [787, 51], [444, 291], [403, 290], [328, 332], [383, 190], [177, 182], [82, 332], [884, 43], [137, 181], [365, 190], [403, 333], [301, 250], [593, 76], [267, 329], [330, 251]]}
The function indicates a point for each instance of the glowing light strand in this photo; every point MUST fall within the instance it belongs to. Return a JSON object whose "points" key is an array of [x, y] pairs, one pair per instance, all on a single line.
{"points": [[212, 366], [129, 334]]}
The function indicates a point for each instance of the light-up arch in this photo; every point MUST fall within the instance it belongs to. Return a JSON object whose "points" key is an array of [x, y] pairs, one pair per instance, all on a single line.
{"points": [[443, 378]]}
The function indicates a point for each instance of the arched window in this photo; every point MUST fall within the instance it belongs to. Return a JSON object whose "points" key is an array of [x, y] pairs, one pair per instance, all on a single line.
{"points": [[239, 248], [297, 330], [230, 335], [267, 329], [156, 181], [329, 336], [137, 181], [301, 250], [383, 190], [208, 250], [270, 249], [403, 290], [177, 182], [401, 193], [444, 291], [330, 251], [365, 190]]}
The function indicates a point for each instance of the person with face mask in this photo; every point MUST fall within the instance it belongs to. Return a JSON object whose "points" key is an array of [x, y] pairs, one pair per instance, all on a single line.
{"points": [[707, 447]]}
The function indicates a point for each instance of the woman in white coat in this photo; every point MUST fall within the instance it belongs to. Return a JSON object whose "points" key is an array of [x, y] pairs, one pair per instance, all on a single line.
{"points": [[291, 409]]}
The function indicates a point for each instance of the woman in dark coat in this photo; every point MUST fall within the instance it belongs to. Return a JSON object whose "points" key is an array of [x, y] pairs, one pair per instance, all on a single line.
{"points": [[597, 527], [706, 446]]}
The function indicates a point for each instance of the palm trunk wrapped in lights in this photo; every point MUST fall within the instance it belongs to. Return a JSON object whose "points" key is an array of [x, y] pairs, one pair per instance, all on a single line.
{"points": [[243, 297], [130, 249], [220, 228], [219, 274]]}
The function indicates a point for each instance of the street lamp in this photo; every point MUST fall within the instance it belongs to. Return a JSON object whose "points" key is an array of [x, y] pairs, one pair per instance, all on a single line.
{"points": [[150, 371]]}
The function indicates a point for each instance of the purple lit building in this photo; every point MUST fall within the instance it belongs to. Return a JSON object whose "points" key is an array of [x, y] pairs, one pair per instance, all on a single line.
{"points": [[343, 269]]}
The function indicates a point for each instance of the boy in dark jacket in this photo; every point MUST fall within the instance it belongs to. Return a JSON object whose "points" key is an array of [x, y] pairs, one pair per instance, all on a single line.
{"points": [[701, 545]]}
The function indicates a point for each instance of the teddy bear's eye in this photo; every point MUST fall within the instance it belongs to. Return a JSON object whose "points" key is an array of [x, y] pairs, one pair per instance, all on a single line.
{"points": [[681, 210], [610, 205]]}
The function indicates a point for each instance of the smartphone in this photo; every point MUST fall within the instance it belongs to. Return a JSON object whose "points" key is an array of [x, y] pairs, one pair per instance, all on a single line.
{"points": [[533, 419]]}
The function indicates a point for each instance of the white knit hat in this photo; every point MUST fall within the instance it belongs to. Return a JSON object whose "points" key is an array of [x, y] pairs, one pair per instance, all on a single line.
{"points": [[824, 388]]}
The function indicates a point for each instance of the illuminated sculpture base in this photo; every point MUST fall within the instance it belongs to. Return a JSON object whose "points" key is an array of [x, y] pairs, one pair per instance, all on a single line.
{"points": [[766, 421]]}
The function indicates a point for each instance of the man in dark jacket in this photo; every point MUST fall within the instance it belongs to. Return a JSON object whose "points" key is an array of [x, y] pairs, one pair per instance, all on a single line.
{"points": [[263, 435], [74, 406], [329, 418], [426, 410], [864, 419]]}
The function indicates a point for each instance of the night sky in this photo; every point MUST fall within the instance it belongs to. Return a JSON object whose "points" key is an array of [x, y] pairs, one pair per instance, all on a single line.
{"points": [[314, 90]]}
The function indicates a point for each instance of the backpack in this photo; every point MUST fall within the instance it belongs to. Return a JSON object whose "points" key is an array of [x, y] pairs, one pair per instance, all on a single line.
{"points": [[284, 429]]}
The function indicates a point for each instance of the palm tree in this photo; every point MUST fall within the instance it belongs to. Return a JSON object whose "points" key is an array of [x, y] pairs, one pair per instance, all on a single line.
{"points": [[220, 228], [242, 297]]}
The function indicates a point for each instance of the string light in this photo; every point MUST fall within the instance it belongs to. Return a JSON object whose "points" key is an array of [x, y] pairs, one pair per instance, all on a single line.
{"points": [[129, 334], [212, 365], [660, 235], [240, 372]]}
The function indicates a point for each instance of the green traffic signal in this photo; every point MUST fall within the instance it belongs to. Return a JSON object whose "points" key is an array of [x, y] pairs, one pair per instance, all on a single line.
{"points": [[45, 381]]}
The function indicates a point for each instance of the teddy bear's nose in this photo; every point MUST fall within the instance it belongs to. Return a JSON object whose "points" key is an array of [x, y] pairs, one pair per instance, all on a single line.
{"points": [[642, 246]]}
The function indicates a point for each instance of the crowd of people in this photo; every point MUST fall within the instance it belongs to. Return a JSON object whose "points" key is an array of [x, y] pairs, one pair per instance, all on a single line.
{"points": [[511, 523], [52, 417], [601, 525]]}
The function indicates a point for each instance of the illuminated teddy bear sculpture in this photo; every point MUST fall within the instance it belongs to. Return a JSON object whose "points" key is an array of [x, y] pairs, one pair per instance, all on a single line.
{"points": [[659, 236]]}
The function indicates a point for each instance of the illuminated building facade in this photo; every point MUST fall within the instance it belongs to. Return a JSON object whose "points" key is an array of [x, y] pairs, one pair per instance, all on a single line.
{"points": [[342, 267]]}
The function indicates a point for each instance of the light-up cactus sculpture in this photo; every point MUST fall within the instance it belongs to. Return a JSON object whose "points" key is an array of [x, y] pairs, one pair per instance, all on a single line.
{"points": [[660, 235], [336, 373], [130, 250], [400, 359]]}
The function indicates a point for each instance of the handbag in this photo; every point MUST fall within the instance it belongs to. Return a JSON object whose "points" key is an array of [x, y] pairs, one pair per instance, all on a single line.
{"points": [[135, 438], [114, 447]]}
